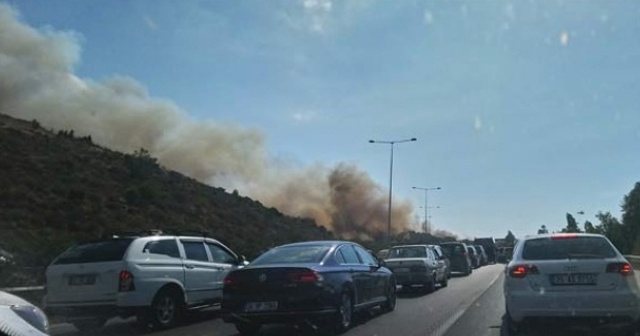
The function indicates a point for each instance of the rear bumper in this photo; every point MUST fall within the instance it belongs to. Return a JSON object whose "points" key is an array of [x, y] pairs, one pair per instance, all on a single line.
{"points": [[72, 312], [412, 278], [276, 317], [606, 304]]}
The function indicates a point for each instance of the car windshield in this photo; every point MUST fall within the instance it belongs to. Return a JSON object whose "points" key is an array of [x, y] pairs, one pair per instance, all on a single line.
{"points": [[567, 248], [102, 251], [407, 252], [303, 254]]}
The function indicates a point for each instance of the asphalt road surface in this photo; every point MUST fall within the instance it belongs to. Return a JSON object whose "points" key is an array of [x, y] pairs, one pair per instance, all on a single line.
{"points": [[472, 305]]}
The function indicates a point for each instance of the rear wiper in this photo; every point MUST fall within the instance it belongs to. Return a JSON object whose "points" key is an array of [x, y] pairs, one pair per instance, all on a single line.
{"points": [[583, 256]]}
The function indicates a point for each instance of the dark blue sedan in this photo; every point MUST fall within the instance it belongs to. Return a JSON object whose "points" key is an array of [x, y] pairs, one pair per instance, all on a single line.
{"points": [[324, 282]]}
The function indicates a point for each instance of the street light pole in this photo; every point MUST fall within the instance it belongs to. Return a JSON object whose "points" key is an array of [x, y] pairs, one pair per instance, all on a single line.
{"points": [[426, 204], [392, 143]]}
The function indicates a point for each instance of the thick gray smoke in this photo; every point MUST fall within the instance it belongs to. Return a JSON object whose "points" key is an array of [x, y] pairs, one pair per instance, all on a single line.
{"points": [[37, 81]]}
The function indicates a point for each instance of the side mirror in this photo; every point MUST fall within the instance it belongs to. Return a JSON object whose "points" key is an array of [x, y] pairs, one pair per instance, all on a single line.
{"points": [[242, 261]]}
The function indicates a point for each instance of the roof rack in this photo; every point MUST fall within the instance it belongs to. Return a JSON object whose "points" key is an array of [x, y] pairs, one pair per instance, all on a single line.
{"points": [[160, 232]]}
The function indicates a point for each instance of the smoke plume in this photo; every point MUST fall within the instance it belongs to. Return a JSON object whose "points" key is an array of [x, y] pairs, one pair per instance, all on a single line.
{"points": [[37, 81]]}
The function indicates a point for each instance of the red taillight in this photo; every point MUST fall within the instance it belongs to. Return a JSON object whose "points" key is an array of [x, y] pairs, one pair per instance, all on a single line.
{"points": [[564, 236], [622, 268], [305, 276], [229, 281], [126, 281], [521, 271]]}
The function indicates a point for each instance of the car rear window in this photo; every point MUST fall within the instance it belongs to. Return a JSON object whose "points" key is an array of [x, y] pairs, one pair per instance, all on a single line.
{"points": [[293, 255], [452, 249], [102, 251], [567, 248], [407, 252]]}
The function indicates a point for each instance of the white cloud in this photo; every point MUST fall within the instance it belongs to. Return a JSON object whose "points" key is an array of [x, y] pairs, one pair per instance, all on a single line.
{"points": [[317, 12], [428, 17], [564, 38], [150, 23], [477, 123], [304, 116]]}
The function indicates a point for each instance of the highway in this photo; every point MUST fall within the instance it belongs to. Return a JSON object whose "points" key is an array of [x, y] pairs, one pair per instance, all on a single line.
{"points": [[472, 305]]}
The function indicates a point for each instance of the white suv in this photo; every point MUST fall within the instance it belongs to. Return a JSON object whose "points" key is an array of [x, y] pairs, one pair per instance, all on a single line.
{"points": [[570, 276], [155, 278]]}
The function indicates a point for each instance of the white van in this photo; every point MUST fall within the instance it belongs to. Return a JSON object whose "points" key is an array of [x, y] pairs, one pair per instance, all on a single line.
{"points": [[155, 278]]}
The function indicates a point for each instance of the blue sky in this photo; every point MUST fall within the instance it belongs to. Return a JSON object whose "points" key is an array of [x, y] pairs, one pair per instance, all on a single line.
{"points": [[523, 110]]}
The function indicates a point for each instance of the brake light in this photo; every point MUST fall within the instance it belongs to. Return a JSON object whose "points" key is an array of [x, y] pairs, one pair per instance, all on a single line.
{"points": [[126, 283], [230, 280], [306, 276], [564, 236], [521, 271], [622, 268]]}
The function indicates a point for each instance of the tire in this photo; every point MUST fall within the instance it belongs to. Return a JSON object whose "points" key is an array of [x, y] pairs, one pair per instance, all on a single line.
{"points": [[430, 286], [390, 304], [513, 327], [166, 309], [248, 329], [90, 326], [469, 271], [445, 281], [344, 316]]}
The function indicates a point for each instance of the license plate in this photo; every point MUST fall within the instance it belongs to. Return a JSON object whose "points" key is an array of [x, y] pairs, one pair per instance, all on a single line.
{"points": [[572, 279], [82, 280], [402, 269], [260, 306]]}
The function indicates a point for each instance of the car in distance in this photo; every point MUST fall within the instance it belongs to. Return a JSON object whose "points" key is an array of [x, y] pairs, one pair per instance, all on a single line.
{"points": [[458, 257], [417, 265], [482, 255], [382, 254], [570, 276], [319, 282], [21, 318], [489, 246], [473, 255], [153, 275], [441, 255]]}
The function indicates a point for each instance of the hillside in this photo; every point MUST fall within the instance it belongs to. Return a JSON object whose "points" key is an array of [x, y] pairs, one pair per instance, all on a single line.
{"points": [[57, 189]]}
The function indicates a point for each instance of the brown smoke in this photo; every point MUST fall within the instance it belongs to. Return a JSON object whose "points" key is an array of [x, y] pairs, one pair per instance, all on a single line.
{"points": [[37, 82]]}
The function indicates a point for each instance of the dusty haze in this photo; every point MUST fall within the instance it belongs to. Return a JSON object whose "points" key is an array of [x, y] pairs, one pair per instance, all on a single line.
{"points": [[37, 81]]}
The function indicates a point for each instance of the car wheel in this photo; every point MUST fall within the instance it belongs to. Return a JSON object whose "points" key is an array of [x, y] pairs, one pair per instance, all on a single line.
{"points": [[512, 326], [344, 314], [248, 328], [166, 309], [390, 304], [91, 325], [445, 281], [430, 286]]}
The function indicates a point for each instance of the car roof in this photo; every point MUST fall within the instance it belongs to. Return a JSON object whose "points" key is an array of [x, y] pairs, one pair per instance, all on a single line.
{"points": [[329, 243], [551, 235], [451, 243], [413, 245]]}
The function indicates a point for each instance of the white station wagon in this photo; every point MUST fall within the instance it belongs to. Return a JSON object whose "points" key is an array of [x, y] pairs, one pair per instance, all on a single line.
{"points": [[155, 278], [570, 276]]}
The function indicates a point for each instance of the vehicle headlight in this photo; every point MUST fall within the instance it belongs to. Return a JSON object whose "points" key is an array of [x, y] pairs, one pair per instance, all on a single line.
{"points": [[33, 315]]}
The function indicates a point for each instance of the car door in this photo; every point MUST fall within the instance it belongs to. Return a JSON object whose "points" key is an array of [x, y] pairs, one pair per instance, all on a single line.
{"points": [[438, 263], [441, 256], [359, 272], [375, 283], [223, 262], [199, 271]]}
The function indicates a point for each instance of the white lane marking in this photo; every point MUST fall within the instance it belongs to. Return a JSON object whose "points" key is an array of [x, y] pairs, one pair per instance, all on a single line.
{"points": [[442, 328]]}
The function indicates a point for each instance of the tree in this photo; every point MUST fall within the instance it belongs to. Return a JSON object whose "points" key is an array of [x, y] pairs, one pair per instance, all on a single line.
{"points": [[510, 239], [612, 229], [589, 228], [572, 225], [543, 229], [631, 218]]}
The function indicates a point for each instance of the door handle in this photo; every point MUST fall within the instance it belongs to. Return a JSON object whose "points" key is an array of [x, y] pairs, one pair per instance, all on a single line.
{"points": [[189, 266]]}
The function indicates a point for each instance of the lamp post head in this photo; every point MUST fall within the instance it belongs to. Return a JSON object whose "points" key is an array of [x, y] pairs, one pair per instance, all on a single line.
{"points": [[371, 141], [414, 139]]}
